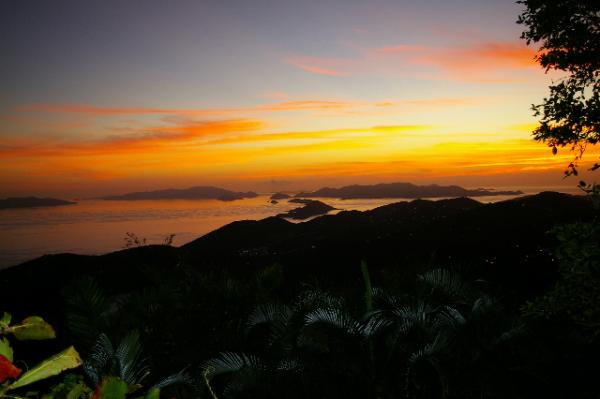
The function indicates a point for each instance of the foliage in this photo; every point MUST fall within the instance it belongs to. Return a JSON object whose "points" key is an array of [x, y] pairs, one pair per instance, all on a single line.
{"points": [[317, 344], [109, 368], [31, 328], [569, 34], [73, 386], [575, 299], [132, 240]]}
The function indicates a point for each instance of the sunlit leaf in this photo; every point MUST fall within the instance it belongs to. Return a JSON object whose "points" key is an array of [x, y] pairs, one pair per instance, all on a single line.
{"points": [[33, 328], [67, 359], [6, 349]]}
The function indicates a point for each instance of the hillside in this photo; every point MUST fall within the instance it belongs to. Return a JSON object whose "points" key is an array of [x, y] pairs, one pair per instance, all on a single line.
{"points": [[495, 240]]}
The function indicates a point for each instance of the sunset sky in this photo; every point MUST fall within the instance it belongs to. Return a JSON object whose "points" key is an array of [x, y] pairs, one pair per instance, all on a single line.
{"points": [[103, 97]]}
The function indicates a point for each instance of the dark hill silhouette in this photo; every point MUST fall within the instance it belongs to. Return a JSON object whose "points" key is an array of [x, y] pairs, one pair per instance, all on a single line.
{"points": [[199, 192], [31, 202], [311, 208], [401, 190], [279, 196], [505, 242]]}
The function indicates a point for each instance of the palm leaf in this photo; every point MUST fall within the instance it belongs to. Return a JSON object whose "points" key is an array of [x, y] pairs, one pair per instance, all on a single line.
{"points": [[229, 362], [336, 318], [132, 367], [275, 315], [315, 299], [88, 310], [181, 377], [100, 361], [447, 284]]}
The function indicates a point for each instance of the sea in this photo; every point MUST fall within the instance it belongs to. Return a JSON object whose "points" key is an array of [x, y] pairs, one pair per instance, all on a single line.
{"points": [[95, 227]]}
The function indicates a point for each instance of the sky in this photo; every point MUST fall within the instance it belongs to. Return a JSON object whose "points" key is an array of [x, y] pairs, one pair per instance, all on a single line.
{"points": [[106, 97]]}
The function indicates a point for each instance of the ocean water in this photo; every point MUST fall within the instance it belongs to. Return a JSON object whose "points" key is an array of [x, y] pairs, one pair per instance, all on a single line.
{"points": [[96, 226]]}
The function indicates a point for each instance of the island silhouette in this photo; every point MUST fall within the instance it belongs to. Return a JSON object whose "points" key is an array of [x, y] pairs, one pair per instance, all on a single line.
{"points": [[402, 190], [198, 192], [32, 202]]}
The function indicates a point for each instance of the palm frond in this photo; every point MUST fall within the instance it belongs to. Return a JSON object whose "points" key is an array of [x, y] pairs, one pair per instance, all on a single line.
{"points": [[336, 318], [100, 361], [181, 377], [376, 322], [429, 355], [446, 283], [230, 362], [88, 310], [132, 367], [450, 319], [384, 300], [483, 306], [290, 365], [415, 316], [275, 315], [513, 333], [317, 299]]}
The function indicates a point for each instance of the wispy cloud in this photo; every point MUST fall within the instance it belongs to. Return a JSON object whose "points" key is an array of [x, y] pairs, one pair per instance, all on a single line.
{"points": [[146, 140], [296, 105], [400, 49], [481, 59], [322, 66], [482, 62]]}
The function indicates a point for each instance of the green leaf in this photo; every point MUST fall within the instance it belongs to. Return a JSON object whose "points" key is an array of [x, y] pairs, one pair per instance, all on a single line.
{"points": [[6, 318], [5, 349], [76, 391], [67, 359], [33, 328], [153, 394], [113, 388]]}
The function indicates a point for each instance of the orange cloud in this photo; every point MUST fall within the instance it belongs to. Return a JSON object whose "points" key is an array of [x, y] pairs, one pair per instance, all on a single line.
{"points": [[297, 105], [149, 140], [481, 58], [474, 62]]}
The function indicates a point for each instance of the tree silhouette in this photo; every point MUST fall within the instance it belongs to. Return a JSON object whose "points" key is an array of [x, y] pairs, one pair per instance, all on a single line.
{"points": [[569, 34]]}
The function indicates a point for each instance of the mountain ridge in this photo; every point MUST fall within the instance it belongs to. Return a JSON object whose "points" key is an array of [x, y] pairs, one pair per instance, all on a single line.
{"points": [[401, 190], [196, 192]]}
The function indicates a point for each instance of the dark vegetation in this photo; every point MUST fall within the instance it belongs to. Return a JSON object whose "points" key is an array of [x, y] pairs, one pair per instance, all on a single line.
{"points": [[459, 300], [402, 190], [200, 192], [31, 202]]}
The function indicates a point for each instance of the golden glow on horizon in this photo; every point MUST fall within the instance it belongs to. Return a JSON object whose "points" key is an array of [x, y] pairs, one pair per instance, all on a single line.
{"points": [[245, 149]]}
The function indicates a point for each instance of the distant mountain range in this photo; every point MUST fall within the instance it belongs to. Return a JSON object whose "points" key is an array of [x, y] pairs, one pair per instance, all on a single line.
{"points": [[401, 190], [199, 192], [385, 190], [31, 202]]}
